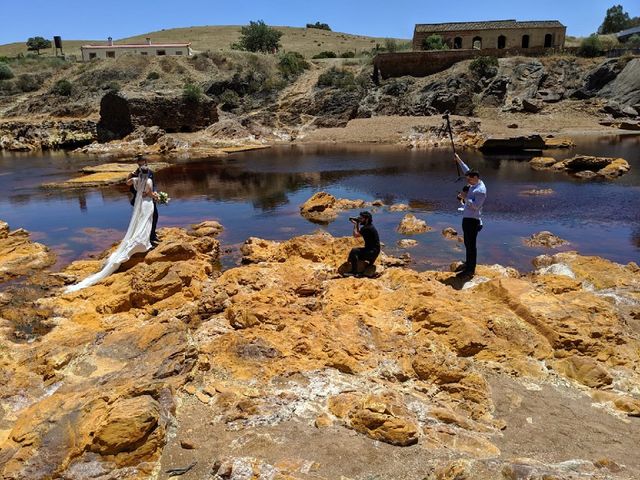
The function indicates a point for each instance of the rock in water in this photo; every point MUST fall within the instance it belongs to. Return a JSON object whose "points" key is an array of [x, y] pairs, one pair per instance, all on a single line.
{"points": [[410, 225], [545, 239]]}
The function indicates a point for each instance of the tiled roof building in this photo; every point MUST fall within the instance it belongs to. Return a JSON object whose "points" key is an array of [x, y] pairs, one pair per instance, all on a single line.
{"points": [[501, 34]]}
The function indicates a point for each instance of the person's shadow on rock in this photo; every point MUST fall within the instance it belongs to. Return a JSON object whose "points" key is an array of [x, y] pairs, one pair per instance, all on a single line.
{"points": [[456, 281]]}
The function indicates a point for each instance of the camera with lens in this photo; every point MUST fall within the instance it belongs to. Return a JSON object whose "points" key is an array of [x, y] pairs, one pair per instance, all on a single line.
{"points": [[355, 219]]}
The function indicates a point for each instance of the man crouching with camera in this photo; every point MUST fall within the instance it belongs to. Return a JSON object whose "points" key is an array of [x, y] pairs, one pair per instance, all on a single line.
{"points": [[363, 227]]}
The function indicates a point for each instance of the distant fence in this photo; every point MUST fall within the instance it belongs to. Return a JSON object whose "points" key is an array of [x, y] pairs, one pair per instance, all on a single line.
{"points": [[423, 63]]}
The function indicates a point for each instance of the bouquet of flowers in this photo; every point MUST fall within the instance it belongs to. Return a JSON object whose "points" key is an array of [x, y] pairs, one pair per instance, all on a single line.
{"points": [[163, 198]]}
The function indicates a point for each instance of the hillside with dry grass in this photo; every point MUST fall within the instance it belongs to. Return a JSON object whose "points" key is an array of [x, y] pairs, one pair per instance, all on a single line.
{"points": [[307, 41]]}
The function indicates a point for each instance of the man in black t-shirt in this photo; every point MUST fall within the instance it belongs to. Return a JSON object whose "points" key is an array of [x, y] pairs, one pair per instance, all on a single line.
{"points": [[363, 227]]}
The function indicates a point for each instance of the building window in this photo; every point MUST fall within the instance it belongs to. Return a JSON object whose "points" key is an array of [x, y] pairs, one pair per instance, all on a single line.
{"points": [[178, 52], [502, 41], [548, 40], [92, 56], [525, 41], [111, 54], [144, 53], [477, 43], [457, 43], [161, 52]]}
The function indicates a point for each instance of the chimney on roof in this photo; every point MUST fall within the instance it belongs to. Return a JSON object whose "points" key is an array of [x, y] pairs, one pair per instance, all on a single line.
{"points": [[110, 41], [148, 40]]}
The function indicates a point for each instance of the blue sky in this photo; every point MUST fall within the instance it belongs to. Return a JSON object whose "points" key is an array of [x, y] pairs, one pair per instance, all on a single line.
{"points": [[87, 20]]}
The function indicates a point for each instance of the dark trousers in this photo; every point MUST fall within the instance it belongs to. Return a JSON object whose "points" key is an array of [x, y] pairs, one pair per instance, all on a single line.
{"points": [[154, 236], [470, 229], [361, 254]]}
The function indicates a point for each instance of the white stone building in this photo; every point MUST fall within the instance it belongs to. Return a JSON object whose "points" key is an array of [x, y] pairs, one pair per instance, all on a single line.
{"points": [[111, 50]]}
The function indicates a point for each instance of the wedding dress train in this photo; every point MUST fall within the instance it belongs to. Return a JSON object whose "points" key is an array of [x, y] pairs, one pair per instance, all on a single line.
{"points": [[136, 239]]}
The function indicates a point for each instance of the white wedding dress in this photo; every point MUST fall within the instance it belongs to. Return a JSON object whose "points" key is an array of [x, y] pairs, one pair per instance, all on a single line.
{"points": [[136, 239]]}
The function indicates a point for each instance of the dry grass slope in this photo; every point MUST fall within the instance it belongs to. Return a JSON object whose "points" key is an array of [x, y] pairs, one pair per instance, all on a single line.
{"points": [[306, 41]]}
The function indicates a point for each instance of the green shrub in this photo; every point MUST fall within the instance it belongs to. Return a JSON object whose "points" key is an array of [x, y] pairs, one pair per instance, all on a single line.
{"points": [[484, 67], [153, 75], [326, 54], [348, 55], [292, 64], [62, 88], [609, 42], [319, 26], [28, 82], [112, 86], [633, 42], [590, 47], [337, 78], [229, 100], [192, 92], [5, 72], [434, 42]]}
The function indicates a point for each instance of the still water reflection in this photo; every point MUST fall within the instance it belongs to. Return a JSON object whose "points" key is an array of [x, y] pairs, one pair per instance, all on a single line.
{"points": [[258, 194]]}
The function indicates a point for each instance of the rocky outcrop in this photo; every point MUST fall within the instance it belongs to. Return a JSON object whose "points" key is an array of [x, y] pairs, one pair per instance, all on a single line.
{"points": [[625, 88], [19, 255], [282, 348], [584, 166], [96, 394], [121, 114], [20, 136]]}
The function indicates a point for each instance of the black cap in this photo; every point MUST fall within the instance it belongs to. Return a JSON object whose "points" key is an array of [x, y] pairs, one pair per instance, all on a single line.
{"points": [[366, 215]]}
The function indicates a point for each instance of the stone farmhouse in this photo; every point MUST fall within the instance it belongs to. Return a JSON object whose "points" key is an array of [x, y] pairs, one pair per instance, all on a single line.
{"points": [[497, 34], [111, 50]]}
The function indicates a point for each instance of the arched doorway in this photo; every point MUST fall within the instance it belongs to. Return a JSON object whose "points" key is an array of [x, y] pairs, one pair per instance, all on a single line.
{"points": [[477, 43], [525, 41], [502, 41], [548, 40], [457, 43]]}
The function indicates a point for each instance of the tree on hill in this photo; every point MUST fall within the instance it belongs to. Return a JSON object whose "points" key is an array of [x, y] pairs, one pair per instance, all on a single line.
{"points": [[615, 21], [434, 42], [319, 26], [35, 44], [259, 37]]}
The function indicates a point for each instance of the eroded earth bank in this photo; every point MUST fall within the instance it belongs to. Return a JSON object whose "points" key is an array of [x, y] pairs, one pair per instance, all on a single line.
{"points": [[280, 369]]}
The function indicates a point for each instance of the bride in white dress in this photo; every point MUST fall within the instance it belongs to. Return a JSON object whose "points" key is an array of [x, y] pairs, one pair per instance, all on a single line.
{"points": [[136, 239]]}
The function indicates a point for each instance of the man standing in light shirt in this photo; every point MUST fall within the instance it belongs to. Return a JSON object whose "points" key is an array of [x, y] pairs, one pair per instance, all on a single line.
{"points": [[473, 200]]}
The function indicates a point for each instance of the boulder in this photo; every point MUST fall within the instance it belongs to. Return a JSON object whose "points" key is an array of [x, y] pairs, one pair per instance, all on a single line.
{"points": [[545, 239], [597, 78], [407, 243], [625, 89], [584, 166], [121, 114], [320, 208], [410, 225], [450, 233], [324, 208]]}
